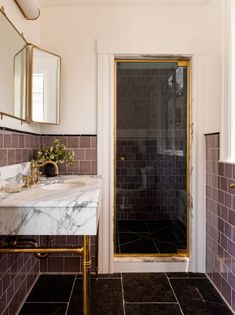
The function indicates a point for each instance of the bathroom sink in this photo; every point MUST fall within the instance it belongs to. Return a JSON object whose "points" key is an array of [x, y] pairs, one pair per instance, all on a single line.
{"points": [[63, 186]]}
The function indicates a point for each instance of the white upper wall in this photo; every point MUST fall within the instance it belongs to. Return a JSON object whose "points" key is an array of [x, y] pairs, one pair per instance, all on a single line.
{"points": [[72, 28], [31, 31]]}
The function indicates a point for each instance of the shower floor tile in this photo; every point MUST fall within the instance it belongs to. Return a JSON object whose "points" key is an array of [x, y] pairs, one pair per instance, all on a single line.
{"points": [[149, 237], [129, 293], [137, 246]]}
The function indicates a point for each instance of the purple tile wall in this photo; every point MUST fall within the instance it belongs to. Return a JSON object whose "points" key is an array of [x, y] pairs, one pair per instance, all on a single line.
{"points": [[17, 275], [220, 221], [165, 179], [65, 263], [16, 147], [19, 271], [85, 149]]}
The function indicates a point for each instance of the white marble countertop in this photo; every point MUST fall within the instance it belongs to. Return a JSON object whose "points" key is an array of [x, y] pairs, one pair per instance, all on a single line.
{"points": [[62, 205]]}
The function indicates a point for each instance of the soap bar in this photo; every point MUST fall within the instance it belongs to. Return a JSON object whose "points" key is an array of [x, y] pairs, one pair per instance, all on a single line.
{"points": [[12, 187]]}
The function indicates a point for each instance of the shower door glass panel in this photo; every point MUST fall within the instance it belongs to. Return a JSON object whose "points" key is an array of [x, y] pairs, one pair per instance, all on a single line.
{"points": [[151, 157]]}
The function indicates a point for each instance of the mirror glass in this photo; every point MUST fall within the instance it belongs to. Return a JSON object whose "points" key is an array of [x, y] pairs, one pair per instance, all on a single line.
{"points": [[45, 97], [13, 70]]}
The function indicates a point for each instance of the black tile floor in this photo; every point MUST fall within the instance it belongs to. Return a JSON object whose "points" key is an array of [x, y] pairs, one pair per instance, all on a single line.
{"points": [[149, 237], [126, 294]]}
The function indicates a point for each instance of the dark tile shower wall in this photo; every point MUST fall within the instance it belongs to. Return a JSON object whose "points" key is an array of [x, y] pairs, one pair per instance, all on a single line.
{"points": [[220, 221], [145, 137], [18, 271], [165, 175]]}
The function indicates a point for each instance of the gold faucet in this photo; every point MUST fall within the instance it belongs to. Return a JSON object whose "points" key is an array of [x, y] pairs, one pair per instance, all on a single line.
{"points": [[33, 178]]}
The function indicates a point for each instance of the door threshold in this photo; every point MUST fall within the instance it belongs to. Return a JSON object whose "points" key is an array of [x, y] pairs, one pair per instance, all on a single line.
{"points": [[149, 259], [152, 264]]}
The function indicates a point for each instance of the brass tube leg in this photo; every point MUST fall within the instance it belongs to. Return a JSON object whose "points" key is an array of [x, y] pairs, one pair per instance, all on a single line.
{"points": [[86, 274]]}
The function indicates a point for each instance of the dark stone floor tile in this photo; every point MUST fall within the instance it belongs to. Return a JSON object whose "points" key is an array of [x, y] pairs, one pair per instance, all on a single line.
{"points": [[147, 287], [132, 226], [52, 288], [106, 297], [205, 309], [43, 309], [139, 247], [173, 275], [152, 309], [110, 276], [198, 296]]}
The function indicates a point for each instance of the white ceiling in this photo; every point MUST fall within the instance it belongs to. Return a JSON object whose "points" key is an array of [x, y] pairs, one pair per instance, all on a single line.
{"points": [[68, 3]]}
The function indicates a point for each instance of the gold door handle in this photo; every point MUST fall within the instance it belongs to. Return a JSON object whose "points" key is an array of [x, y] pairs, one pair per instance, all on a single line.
{"points": [[232, 185]]}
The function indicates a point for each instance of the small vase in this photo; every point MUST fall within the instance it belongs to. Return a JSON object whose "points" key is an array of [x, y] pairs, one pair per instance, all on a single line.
{"points": [[49, 170]]}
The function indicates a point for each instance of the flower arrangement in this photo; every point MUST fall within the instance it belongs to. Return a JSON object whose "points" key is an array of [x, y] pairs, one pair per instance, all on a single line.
{"points": [[57, 152]]}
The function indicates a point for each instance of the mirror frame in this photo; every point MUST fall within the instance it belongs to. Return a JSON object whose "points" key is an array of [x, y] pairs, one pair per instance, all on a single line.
{"points": [[31, 49], [2, 11]]}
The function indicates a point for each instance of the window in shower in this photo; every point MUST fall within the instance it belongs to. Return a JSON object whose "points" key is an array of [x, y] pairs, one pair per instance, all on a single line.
{"points": [[151, 193]]}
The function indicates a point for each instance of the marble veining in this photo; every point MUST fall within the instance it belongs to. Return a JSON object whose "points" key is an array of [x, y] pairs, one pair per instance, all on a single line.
{"points": [[13, 173], [42, 211]]}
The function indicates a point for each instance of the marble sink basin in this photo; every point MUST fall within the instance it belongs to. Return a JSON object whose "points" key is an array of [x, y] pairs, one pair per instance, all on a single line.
{"points": [[64, 186], [62, 205]]}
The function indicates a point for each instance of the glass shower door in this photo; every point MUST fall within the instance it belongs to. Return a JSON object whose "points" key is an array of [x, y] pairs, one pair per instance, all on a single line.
{"points": [[151, 157]]}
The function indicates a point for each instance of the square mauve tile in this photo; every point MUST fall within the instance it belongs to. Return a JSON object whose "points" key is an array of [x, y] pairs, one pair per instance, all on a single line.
{"points": [[1, 139], [7, 140], [85, 142], [221, 169], [228, 171], [73, 142]]}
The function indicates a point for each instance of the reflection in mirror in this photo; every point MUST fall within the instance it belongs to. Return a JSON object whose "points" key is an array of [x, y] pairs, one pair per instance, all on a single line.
{"points": [[12, 58], [45, 87], [20, 83]]}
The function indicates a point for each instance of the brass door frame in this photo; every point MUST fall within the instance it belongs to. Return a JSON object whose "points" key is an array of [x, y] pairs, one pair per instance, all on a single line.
{"points": [[182, 62]]}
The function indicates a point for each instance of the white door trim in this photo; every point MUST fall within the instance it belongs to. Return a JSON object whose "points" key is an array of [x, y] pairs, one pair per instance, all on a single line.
{"points": [[107, 51]]}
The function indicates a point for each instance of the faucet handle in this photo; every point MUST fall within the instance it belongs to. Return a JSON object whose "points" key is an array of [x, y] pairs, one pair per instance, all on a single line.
{"points": [[37, 179], [27, 181]]}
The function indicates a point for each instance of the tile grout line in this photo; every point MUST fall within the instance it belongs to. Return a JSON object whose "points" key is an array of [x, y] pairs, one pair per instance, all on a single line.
{"points": [[39, 302], [123, 300], [75, 278], [174, 294], [187, 278], [167, 303]]}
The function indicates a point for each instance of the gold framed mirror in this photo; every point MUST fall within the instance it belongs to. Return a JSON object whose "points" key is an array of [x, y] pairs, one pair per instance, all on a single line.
{"points": [[45, 86], [13, 65]]}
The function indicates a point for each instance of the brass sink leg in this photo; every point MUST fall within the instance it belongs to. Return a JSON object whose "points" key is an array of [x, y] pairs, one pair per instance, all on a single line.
{"points": [[86, 274]]}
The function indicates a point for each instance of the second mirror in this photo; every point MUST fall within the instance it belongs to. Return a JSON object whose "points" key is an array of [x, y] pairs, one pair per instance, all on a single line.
{"points": [[45, 86]]}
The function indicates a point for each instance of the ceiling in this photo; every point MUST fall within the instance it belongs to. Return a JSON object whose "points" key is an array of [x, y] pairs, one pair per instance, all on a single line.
{"points": [[68, 3]]}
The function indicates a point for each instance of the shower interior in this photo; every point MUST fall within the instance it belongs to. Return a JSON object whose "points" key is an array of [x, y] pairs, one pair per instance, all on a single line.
{"points": [[151, 157]]}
